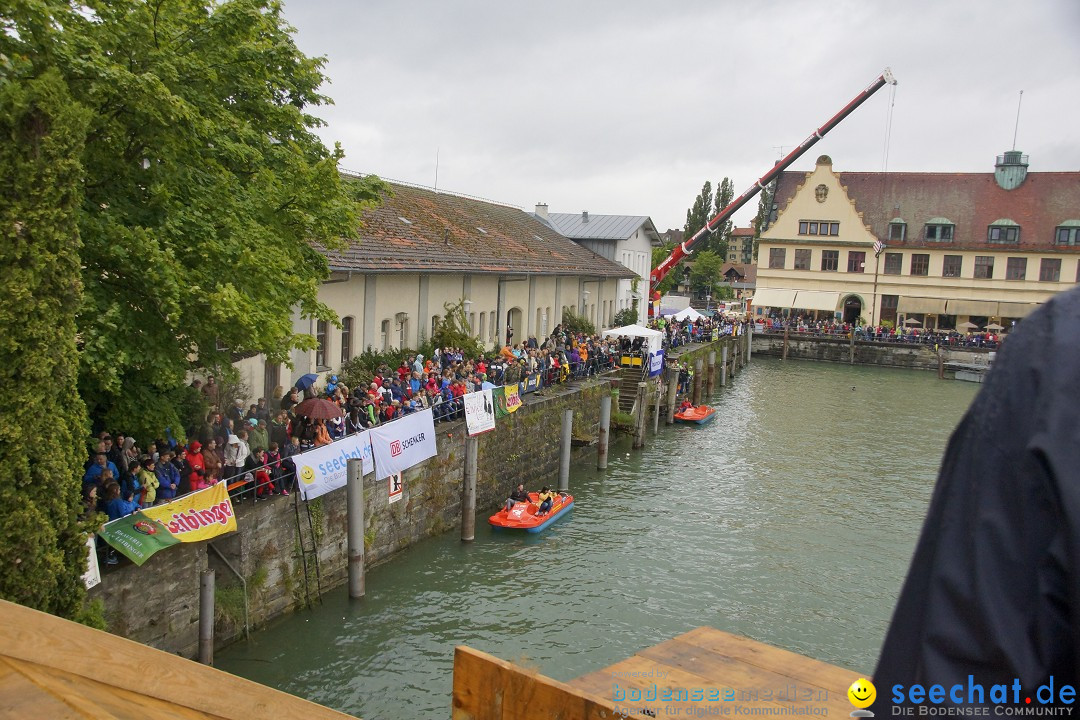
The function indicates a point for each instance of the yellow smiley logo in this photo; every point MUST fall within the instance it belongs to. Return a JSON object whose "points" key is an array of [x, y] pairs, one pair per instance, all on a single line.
{"points": [[862, 693], [307, 475]]}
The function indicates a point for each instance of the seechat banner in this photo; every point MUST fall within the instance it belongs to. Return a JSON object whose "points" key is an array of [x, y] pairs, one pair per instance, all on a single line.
{"points": [[325, 468], [479, 412], [198, 516], [405, 442]]}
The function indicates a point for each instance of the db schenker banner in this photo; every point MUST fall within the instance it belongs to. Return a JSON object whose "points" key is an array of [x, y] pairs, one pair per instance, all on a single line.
{"points": [[198, 516], [405, 442], [326, 468]]}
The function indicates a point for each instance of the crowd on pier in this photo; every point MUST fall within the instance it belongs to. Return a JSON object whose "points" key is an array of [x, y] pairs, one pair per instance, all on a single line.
{"points": [[807, 325]]}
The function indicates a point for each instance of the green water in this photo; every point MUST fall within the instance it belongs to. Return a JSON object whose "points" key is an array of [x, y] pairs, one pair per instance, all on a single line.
{"points": [[791, 519]]}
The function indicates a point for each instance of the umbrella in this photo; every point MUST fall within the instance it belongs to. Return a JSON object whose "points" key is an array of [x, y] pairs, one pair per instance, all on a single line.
{"points": [[318, 409], [967, 326], [994, 326], [306, 381], [912, 321]]}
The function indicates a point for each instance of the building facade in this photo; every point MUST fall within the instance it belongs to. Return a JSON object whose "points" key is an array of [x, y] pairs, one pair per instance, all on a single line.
{"points": [[420, 250], [625, 239], [741, 246], [929, 249]]}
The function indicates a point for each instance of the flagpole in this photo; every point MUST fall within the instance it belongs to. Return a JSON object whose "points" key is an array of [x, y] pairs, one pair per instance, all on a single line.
{"points": [[879, 247]]}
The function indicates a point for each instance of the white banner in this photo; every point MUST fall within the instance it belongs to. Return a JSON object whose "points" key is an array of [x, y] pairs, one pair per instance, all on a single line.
{"points": [[656, 363], [92, 576], [479, 412], [405, 442], [325, 468]]}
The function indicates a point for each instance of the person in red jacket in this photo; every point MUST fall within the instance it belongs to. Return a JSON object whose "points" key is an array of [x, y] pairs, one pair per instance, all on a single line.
{"points": [[196, 465]]}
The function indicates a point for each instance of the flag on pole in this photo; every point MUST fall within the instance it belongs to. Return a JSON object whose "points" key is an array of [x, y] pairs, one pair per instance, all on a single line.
{"points": [[878, 247]]}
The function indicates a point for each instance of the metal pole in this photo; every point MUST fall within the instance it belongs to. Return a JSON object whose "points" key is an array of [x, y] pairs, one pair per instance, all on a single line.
{"points": [[710, 384], [656, 410], [468, 490], [697, 382], [354, 503], [564, 449], [605, 431], [786, 327], [639, 417], [672, 396], [723, 365], [206, 617]]}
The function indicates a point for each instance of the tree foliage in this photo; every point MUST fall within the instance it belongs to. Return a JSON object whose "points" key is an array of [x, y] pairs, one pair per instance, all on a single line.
{"points": [[764, 214], [204, 188], [705, 272], [658, 254], [718, 241], [577, 323], [43, 424], [452, 330], [626, 316], [698, 214]]}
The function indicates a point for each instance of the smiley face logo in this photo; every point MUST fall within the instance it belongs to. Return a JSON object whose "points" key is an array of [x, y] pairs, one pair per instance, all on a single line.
{"points": [[307, 475], [862, 693]]}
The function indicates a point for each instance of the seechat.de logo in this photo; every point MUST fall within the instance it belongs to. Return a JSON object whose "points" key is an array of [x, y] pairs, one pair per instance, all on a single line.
{"points": [[395, 448]]}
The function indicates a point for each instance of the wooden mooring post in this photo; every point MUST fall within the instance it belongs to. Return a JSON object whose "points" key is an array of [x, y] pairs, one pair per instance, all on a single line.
{"points": [[672, 395], [641, 413], [695, 393], [710, 379]]}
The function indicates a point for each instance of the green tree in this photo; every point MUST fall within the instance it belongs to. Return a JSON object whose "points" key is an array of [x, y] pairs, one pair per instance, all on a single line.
{"points": [[718, 241], [206, 194], [626, 316], [43, 424], [705, 272], [452, 330], [658, 254], [698, 214], [764, 213]]}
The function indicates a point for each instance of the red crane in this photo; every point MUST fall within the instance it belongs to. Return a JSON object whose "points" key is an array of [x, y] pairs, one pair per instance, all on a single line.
{"points": [[683, 249]]}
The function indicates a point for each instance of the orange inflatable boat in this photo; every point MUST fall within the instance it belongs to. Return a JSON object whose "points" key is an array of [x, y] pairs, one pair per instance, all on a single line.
{"points": [[698, 415], [525, 515]]}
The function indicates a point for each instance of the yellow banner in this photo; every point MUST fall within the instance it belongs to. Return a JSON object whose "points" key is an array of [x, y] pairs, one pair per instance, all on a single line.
{"points": [[199, 516], [513, 398]]}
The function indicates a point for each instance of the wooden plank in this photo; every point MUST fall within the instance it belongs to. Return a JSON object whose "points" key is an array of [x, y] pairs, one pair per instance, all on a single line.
{"points": [[487, 688], [61, 645], [21, 698]]}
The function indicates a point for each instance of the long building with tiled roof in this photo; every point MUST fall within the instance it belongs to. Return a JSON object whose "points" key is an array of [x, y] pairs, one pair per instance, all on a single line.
{"points": [[420, 249], [930, 249]]}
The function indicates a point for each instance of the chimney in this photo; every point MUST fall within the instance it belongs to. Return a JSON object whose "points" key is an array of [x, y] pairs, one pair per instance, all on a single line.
{"points": [[541, 210], [584, 216]]}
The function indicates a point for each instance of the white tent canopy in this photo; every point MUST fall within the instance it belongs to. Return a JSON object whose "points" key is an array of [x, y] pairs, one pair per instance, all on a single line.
{"points": [[688, 314], [654, 339]]}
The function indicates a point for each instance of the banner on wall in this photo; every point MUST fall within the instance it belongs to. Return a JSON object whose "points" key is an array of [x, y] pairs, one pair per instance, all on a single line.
{"points": [[532, 383], [407, 441], [326, 468], [507, 400], [479, 412], [198, 516], [656, 363], [92, 576]]}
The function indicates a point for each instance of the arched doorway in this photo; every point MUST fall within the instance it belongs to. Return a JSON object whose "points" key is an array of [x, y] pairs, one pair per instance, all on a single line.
{"points": [[515, 331], [853, 306]]}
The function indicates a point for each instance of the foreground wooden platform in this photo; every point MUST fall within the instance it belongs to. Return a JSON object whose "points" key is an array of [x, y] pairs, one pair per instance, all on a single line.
{"points": [[702, 673], [56, 669]]}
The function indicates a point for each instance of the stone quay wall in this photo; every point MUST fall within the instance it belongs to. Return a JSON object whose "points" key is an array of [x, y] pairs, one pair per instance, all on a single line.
{"points": [[158, 604]]}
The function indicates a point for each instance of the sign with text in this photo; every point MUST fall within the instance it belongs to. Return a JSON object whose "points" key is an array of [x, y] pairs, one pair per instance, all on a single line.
{"points": [[325, 468], [407, 441], [507, 400], [656, 363], [397, 485], [479, 412]]}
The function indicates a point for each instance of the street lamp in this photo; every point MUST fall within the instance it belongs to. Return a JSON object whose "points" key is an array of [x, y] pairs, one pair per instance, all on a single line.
{"points": [[466, 303]]}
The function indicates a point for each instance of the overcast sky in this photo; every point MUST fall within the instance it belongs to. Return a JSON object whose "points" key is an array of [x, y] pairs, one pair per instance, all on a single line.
{"points": [[628, 107]]}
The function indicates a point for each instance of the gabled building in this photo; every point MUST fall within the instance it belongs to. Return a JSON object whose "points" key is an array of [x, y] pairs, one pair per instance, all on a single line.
{"points": [[420, 249], [928, 249], [625, 239]]}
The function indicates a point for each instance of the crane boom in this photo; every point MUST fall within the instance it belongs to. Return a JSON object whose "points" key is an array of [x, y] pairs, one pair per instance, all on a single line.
{"points": [[683, 249]]}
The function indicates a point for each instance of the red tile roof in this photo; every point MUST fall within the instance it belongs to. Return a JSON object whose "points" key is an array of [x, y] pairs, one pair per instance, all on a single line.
{"points": [[420, 230], [748, 272], [973, 201]]}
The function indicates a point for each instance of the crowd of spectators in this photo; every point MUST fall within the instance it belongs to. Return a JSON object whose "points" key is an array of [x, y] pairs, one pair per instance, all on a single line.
{"points": [[942, 337]]}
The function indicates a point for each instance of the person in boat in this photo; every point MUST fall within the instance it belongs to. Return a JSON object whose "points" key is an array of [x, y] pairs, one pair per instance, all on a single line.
{"points": [[519, 495], [686, 405], [547, 499]]}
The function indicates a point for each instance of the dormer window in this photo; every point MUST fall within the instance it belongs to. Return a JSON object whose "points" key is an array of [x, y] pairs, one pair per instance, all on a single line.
{"points": [[939, 230], [897, 230], [1067, 233], [1004, 232]]}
